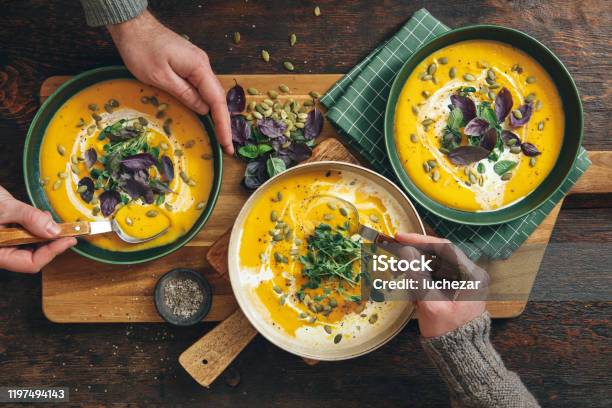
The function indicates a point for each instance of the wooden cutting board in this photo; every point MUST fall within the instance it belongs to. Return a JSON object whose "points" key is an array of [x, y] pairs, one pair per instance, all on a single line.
{"points": [[78, 290]]}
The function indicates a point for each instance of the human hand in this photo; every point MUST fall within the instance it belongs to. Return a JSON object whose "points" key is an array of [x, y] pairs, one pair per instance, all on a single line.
{"points": [[158, 56], [438, 317], [40, 223]]}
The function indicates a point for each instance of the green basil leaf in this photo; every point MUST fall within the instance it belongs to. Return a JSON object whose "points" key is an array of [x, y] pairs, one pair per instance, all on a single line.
{"points": [[263, 148], [249, 151], [488, 114], [455, 119], [275, 166], [504, 166]]}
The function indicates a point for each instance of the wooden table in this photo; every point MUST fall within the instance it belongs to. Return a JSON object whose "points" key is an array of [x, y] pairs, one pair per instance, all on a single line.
{"points": [[560, 349]]}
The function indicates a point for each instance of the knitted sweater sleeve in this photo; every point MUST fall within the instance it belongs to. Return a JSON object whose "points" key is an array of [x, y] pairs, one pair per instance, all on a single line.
{"points": [[105, 12], [472, 369]]}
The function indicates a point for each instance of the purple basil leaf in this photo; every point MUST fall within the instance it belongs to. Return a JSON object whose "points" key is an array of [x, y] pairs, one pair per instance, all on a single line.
{"points": [[299, 152], [464, 155], [530, 150], [87, 195], [271, 128], [236, 99], [108, 201], [466, 105], [166, 168], [507, 135], [476, 127], [314, 124], [526, 110], [489, 139], [159, 187], [503, 104], [140, 161], [255, 174], [277, 144], [91, 156], [241, 130], [135, 188]]}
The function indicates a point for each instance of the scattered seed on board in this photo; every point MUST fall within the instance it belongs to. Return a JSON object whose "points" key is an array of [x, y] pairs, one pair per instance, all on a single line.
{"points": [[288, 66], [265, 55], [236, 37], [317, 11], [272, 94], [292, 39], [252, 91], [314, 94], [284, 88]]}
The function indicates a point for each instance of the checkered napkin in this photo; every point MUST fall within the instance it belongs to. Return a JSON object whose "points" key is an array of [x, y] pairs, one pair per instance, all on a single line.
{"points": [[356, 106]]}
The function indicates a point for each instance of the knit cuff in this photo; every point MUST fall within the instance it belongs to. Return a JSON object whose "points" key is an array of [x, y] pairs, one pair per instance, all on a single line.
{"points": [[465, 356], [105, 12]]}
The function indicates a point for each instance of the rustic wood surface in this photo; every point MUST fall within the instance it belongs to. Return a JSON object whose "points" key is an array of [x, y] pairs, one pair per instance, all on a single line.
{"points": [[560, 349]]}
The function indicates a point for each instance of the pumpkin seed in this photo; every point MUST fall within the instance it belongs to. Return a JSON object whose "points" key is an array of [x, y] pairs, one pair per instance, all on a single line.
{"points": [[431, 69], [277, 289], [473, 178], [373, 318], [292, 39], [511, 142], [443, 60], [108, 108], [145, 100], [331, 206], [61, 150], [56, 185], [337, 338], [538, 105], [494, 85], [435, 175], [317, 11], [153, 101], [415, 109], [279, 196], [343, 211], [469, 77], [74, 160], [530, 79], [328, 217], [515, 149], [533, 161], [314, 95], [425, 94], [273, 216], [169, 207], [95, 211], [191, 183], [184, 176], [162, 107], [129, 221], [178, 152], [62, 175], [482, 64], [541, 125], [166, 126], [200, 205], [284, 88], [272, 94], [530, 98], [257, 115], [374, 218], [308, 102], [43, 181], [491, 74], [427, 122], [426, 77], [82, 189], [80, 123], [75, 169], [151, 213], [432, 163], [252, 91], [413, 138], [443, 150], [288, 66], [327, 329], [491, 95], [299, 125], [236, 37], [506, 176], [90, 130], [160, 114], [113, 103], [452, 73], [426, 167], [517, 114]]}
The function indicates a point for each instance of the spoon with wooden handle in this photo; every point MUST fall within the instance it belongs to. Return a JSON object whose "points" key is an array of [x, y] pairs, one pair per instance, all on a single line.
{"points": [[20, 236]]}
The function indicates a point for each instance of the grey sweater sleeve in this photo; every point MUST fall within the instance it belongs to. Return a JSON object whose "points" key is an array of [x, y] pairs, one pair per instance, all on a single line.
{"points": [[104, 12], [472, 369]]}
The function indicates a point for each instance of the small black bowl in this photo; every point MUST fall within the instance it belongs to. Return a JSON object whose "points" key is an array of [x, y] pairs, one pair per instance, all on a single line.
{"points": [[166, 314]]}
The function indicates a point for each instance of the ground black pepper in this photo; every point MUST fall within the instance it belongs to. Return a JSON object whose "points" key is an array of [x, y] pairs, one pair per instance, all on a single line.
{"points": [[183, 297]]}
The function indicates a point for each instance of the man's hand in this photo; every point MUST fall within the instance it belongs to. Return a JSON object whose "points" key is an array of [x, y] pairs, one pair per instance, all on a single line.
{"points": [[438, 317], [37, 222], [160, 57]]}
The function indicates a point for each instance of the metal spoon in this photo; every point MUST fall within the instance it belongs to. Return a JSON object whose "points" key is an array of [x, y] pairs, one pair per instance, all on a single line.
{"points": [[331, 201], [21, 236]]}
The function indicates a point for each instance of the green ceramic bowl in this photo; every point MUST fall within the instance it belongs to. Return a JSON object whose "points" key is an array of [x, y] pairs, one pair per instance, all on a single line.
{"points": [[572, 138], [31, 168]]}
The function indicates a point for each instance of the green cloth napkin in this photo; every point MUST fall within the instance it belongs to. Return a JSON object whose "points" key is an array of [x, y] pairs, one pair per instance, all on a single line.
{"points": [[356, 106]]}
